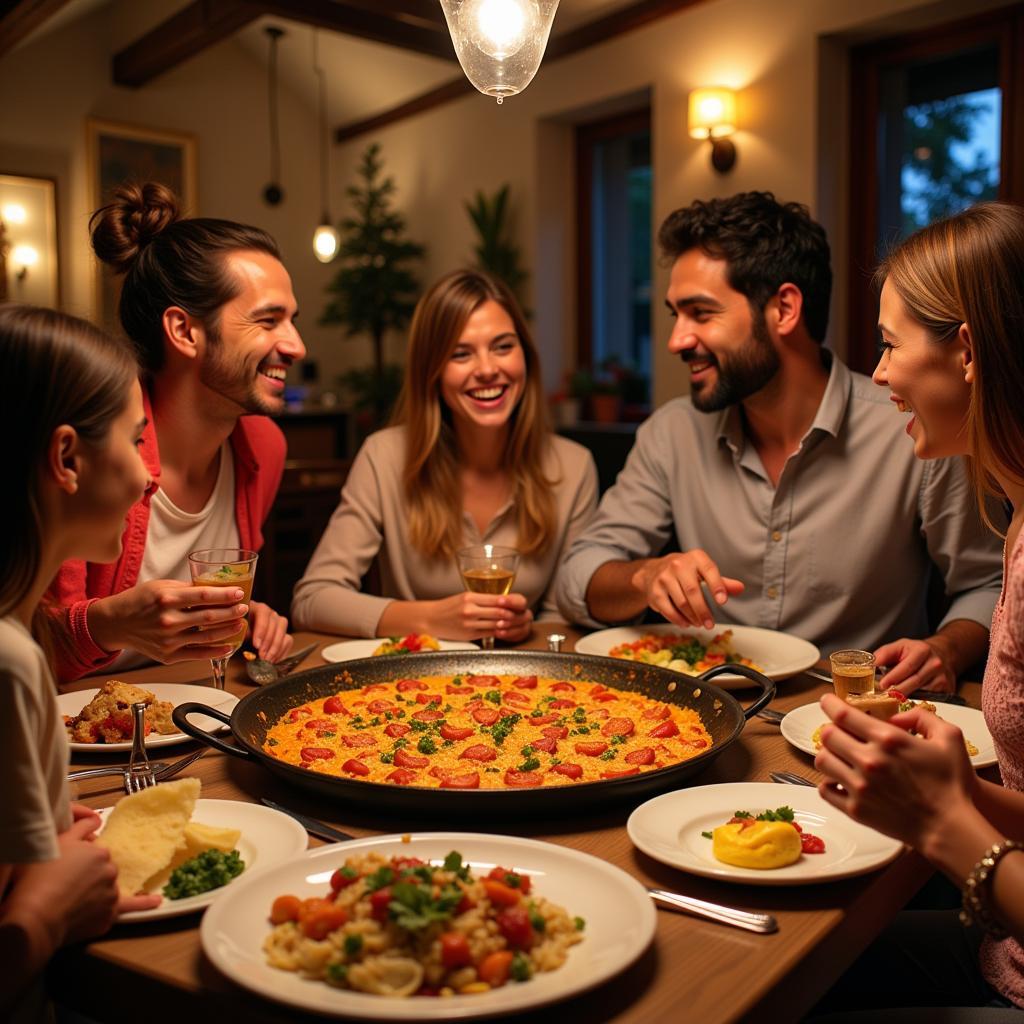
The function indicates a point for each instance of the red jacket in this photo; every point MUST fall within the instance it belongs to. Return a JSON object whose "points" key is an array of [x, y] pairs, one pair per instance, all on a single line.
{"points": [[259, 450]]}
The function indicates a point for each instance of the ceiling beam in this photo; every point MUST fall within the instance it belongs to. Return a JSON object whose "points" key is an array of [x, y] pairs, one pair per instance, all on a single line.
{"points": [[182, 35], [20, 17], [592, 33], [412, 24]]}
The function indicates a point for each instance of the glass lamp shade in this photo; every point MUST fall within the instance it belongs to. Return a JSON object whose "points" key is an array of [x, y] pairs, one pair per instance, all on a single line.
{"points": [[711, 113], [499, 43], [325, 242]]}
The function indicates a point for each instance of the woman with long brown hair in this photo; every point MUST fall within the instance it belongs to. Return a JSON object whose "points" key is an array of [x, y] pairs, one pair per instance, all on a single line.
{"points": [[470, 459], [952, 325], [74, 472]]}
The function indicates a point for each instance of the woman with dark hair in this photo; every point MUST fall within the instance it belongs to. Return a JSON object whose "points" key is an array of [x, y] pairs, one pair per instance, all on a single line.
{"points": [[77, 414], [470, 459], [952, 325], [210, 310]]}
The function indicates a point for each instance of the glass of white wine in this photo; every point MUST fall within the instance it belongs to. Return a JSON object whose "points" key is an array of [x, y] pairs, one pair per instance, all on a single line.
{"points": [[224, 567], [488, 569]]}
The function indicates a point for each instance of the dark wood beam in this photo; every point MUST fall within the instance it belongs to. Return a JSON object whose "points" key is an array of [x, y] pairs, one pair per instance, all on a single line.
{"points": [[183, 35], [425, 101], [20, 17], [411, 25], [581, 38]]}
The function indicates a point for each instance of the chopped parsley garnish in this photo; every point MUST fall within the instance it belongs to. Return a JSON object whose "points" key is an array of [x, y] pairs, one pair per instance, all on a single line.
{"points": [[427, 745], [579, 924], [387, 758], [353, 944], [379, 878], [707, 835], [608, 755], [413, 907], [494, 696], [520, 969], [208, 870], [337, 973], [531, 764]]}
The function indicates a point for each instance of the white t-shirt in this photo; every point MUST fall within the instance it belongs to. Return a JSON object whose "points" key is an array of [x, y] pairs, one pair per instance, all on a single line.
{"points": [[33, 751], [173, 533]]}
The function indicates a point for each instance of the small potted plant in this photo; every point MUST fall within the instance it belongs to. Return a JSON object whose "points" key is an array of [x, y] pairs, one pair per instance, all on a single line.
{"points": [[605, 399]]}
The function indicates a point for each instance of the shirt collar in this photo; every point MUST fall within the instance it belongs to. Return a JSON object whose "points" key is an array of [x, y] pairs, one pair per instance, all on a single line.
{"points": [[829, 417]]}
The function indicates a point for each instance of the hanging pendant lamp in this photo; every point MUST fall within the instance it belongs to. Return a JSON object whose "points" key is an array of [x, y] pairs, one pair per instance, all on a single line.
{"points": [[273, 193], [325, 238], [500, 43]]}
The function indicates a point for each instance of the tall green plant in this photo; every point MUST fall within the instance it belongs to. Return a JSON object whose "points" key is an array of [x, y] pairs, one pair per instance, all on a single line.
{"points": [[375, 290], [495, 251]]}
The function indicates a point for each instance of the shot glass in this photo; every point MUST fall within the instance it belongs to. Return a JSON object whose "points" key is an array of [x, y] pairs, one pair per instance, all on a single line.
{"points": [[853, 673]]}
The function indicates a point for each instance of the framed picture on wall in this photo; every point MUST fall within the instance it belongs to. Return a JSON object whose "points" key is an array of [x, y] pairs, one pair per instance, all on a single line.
{"points": [[119, 153], [28, 240]]}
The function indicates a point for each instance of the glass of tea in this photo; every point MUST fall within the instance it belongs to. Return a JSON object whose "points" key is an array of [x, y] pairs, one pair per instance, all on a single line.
{"points": [[488, 569], [224, 567], [853, 673]]}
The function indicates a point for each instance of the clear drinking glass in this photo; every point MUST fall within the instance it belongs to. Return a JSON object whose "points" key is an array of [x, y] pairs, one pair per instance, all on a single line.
{"points": [[853, 673], [224, 567], [488, 569]]}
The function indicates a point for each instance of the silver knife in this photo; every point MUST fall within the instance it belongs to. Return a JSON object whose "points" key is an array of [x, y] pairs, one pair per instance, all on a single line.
{"points": [[763, 923], [311, 825]]}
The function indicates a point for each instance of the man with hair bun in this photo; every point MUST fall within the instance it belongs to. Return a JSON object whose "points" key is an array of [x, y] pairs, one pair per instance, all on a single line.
{"points": [[794, 499], [210, 309]]}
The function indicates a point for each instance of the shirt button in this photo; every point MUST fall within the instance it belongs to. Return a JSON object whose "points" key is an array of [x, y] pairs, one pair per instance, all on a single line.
{"points": [[776, 535], [772, 592]]}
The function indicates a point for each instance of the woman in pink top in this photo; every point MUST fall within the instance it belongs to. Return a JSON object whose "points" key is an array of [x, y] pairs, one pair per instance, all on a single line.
{"points": [[952, 326]]}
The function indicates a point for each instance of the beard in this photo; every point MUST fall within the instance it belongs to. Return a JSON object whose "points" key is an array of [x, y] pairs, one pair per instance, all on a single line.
{"points": [[746, 373], [236, 380]]}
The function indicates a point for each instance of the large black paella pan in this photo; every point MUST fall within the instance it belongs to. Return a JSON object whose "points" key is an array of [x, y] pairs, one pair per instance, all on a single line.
{"points": [[258, 711]]}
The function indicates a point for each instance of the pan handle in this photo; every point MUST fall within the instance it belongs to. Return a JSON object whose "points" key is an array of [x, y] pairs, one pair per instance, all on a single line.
{"points": [[767, 685], [180, 718]]}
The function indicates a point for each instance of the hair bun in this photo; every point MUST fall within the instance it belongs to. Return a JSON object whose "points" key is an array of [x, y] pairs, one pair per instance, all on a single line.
{"points": [[135, 215]]}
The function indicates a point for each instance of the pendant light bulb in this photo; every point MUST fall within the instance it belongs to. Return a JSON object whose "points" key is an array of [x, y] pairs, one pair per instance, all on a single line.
{"points": [[325, 242]]}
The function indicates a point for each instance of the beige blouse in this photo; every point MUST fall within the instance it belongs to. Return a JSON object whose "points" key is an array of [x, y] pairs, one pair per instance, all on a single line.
{"points": [[370, 522]]}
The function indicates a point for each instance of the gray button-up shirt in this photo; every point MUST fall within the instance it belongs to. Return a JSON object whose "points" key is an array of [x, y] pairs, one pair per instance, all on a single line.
{"points": [[838, 553]]}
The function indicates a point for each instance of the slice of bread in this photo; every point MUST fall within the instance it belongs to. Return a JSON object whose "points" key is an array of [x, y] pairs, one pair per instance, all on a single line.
{"points": [[878, 705], [146, 830]]}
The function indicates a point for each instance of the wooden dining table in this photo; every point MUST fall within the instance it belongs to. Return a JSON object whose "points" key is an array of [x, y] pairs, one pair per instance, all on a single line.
{"points": [[694, 969]]}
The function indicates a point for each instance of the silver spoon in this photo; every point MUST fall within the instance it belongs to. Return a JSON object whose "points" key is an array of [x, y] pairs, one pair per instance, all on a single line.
{"points": [[263, 672]]}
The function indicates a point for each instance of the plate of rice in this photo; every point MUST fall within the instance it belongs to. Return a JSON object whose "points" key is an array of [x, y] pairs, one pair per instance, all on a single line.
{"points": [[433, 926]]}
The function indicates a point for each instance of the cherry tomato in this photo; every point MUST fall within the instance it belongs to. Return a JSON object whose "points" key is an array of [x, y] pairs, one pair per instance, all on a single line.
{"points": [[342, 880], [546, 744], [316, 754], [658, 714], [319, 924], [561, 686], [285, 908], [561, 703], [379, 901], [620, 775], [471, 780], [486, 716], [542, 719], [645, 755], [487, 682], [406, 760], [410, 684], [333, 706], [427, 716], [354, 767], [396, 729], [455, 950], [358, 739], [453, 732], [401, 776], [500, 874], [570, 771], [522, 780], [515, 698], [664, 730], [428, 698], [525, 683], [514, 925], [618, 727], [591, 748], [811, 844]]}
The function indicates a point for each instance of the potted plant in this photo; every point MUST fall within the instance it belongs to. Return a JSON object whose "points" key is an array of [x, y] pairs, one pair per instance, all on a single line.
{"points": [[375, 290]]}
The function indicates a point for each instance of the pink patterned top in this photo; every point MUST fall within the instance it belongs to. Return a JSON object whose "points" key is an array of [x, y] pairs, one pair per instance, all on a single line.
{"points": [[1002, 701]]}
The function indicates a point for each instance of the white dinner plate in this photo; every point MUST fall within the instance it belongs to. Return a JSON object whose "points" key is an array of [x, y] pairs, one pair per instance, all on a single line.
{"points": [[800, 724], [778, 655], [176, 693], [348, 650], [668, 828], [268, 838], [619, 915]]}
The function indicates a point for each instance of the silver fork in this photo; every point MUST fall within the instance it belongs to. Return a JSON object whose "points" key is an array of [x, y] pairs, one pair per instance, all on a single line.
{"points": [[140, 773]]}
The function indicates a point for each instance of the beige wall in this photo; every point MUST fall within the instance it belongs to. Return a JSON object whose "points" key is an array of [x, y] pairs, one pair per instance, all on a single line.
{"points": [[784, 55]]}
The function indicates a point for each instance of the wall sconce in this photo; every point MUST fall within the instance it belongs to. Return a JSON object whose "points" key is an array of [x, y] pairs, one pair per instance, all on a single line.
{"points": [[712, 116], [23, 257], [14, 213], [499, 43]]}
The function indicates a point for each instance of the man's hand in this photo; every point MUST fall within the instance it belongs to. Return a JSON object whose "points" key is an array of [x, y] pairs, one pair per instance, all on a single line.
{"points": [[269, 632], [168, 620], [672, 586], [917, 665]]}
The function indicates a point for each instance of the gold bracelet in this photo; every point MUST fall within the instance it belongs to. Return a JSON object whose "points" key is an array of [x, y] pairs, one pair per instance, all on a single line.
{"points": [[978, 890]]}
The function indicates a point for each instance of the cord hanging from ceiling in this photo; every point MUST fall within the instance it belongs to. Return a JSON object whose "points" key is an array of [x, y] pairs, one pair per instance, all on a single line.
{"points": [[273, 193]]}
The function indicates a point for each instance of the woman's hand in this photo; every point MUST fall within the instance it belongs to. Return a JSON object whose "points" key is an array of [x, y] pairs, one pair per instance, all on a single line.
{"points": [[909, 787], [269, 632], [168, 620], [469, 616]]}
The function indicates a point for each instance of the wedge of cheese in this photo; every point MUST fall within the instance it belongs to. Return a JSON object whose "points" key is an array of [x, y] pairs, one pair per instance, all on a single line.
{"points": [[198, 839], [147, 829]]}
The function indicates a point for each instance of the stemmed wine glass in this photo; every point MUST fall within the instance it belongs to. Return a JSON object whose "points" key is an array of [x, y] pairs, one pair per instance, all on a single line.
{"points": [[224, 567], [488, 569]]}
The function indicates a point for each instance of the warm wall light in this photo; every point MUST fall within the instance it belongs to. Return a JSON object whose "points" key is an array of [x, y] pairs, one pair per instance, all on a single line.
{"points": [[499, 43], [14, 213], [23, 257], [712, 115]]}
